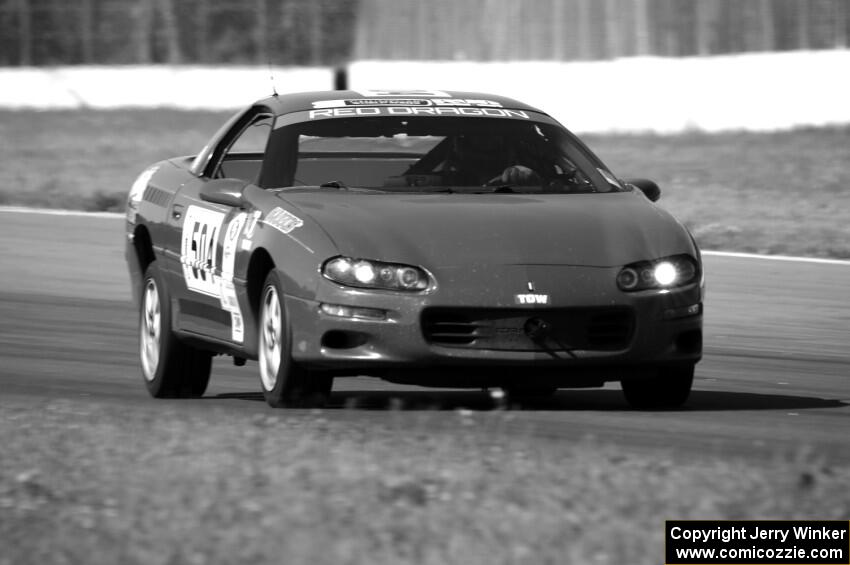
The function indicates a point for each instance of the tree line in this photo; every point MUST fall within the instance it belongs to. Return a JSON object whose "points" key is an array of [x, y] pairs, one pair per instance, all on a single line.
{"points": [[280, 32], [331, 32], [487, 30]]}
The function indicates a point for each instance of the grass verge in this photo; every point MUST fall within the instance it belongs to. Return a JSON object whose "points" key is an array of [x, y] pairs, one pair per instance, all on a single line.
{"points": [[136, 484], [777, 193], [780, 193]]}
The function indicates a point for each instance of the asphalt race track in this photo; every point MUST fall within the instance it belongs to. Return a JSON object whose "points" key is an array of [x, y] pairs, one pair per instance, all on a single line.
{"points": [[775, 379]]}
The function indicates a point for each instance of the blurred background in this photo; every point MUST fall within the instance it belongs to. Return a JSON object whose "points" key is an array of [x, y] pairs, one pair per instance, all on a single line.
{"points": [[737, 108], [332, 32]]}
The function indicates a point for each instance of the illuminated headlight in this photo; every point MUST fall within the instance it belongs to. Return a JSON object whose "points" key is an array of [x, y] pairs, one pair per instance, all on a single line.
{"points": [[665, 273], [363, 273], [668, 272]]}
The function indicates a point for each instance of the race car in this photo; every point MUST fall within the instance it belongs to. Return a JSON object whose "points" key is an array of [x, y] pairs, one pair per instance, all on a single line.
{"points": [[445, 239]]}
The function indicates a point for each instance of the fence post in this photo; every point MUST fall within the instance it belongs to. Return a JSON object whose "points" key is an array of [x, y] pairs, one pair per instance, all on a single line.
{"points": [[171, 30], [641, 22], [24, 33], [141, 15], [703, 27], [316, 12], [287, 24], [87, 31], [261, 41], [420, 24], [612, 29], [840, 23], [669, 16], [556, 28], [584, 24], [802, 25], [768, 25], [202, 30]]}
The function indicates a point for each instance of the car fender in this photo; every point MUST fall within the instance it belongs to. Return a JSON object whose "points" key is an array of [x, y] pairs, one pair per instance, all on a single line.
{"points": [[295, 242], [148, 201]]}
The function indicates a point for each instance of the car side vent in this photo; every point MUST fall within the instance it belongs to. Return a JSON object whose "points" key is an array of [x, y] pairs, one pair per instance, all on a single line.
{"points": [[156, 196]]}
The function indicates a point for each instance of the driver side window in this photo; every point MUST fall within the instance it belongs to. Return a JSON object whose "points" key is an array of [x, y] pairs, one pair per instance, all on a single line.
{"points": [[244, 158]]}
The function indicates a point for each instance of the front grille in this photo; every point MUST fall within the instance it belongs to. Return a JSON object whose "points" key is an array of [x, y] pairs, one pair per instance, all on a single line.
{"points": [[451, 330], [600, 329]]}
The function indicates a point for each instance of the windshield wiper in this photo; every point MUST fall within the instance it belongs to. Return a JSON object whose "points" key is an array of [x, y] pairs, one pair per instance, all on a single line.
{"points": [[419, 190], [500, 189], [334, 184]]}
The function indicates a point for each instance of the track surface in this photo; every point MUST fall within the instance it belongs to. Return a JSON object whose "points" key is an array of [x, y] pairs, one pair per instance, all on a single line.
{"points": [[774, 382]]}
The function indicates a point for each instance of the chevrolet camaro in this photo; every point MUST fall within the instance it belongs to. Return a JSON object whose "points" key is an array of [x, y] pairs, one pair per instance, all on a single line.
{"points": [[446, 239]]}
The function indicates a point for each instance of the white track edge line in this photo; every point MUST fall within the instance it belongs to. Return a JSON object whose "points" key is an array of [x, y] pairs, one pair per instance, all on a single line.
{"points": [[819, 260], [59, 212], [733, 254]]}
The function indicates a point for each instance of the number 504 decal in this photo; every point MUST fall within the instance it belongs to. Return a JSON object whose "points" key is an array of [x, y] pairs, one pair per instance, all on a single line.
{"points": [[201, 228]]}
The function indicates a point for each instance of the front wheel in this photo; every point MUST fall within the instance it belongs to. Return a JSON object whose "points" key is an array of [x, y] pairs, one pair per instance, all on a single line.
{"points": [[669, 387], [171, 369], [284, 383]]}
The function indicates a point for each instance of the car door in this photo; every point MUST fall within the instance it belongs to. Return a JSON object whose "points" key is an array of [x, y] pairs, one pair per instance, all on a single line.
{"points": [[204, 234]]}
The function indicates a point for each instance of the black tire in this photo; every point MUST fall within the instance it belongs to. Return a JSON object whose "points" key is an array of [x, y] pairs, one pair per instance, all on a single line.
{"points": [[284, 383], [670, 387], [170, 368]]}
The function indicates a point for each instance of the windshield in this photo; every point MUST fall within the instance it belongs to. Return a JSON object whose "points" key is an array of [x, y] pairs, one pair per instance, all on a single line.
{"points": [[433, 154]]}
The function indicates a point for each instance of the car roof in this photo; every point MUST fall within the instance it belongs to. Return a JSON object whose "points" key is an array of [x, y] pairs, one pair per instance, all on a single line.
{"points": [[302, 101]]}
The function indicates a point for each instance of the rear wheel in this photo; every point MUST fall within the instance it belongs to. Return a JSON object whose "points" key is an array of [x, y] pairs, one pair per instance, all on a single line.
{"points": [[284, 383], [171, 369], [668, 388]]}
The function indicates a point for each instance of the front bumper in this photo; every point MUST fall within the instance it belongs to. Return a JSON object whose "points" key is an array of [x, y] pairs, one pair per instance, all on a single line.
{"points": [[666, 328]]}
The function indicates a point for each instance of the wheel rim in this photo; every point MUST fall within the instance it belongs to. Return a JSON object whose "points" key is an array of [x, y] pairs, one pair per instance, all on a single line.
{"points": [[271, 337], [149, 344]]}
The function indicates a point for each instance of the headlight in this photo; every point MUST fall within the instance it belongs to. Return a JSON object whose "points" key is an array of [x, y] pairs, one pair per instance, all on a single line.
{"points": [[668, 272], [363, 273]]}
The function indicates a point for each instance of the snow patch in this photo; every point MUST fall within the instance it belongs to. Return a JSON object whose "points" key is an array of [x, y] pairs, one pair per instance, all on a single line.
{"points": [[181, 87], [758, 92]]}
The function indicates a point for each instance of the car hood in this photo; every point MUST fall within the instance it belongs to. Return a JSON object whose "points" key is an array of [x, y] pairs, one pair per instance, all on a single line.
{"points": [[448, 230]]}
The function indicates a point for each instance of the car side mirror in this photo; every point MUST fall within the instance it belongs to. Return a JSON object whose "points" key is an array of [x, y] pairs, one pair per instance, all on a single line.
{"points": [[648, 187], [224, 191]]}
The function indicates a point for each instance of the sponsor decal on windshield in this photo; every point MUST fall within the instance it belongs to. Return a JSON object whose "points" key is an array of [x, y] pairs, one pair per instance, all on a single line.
{"points": [[372, 102], [407, 102], [404, 93], [417, 111]]}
